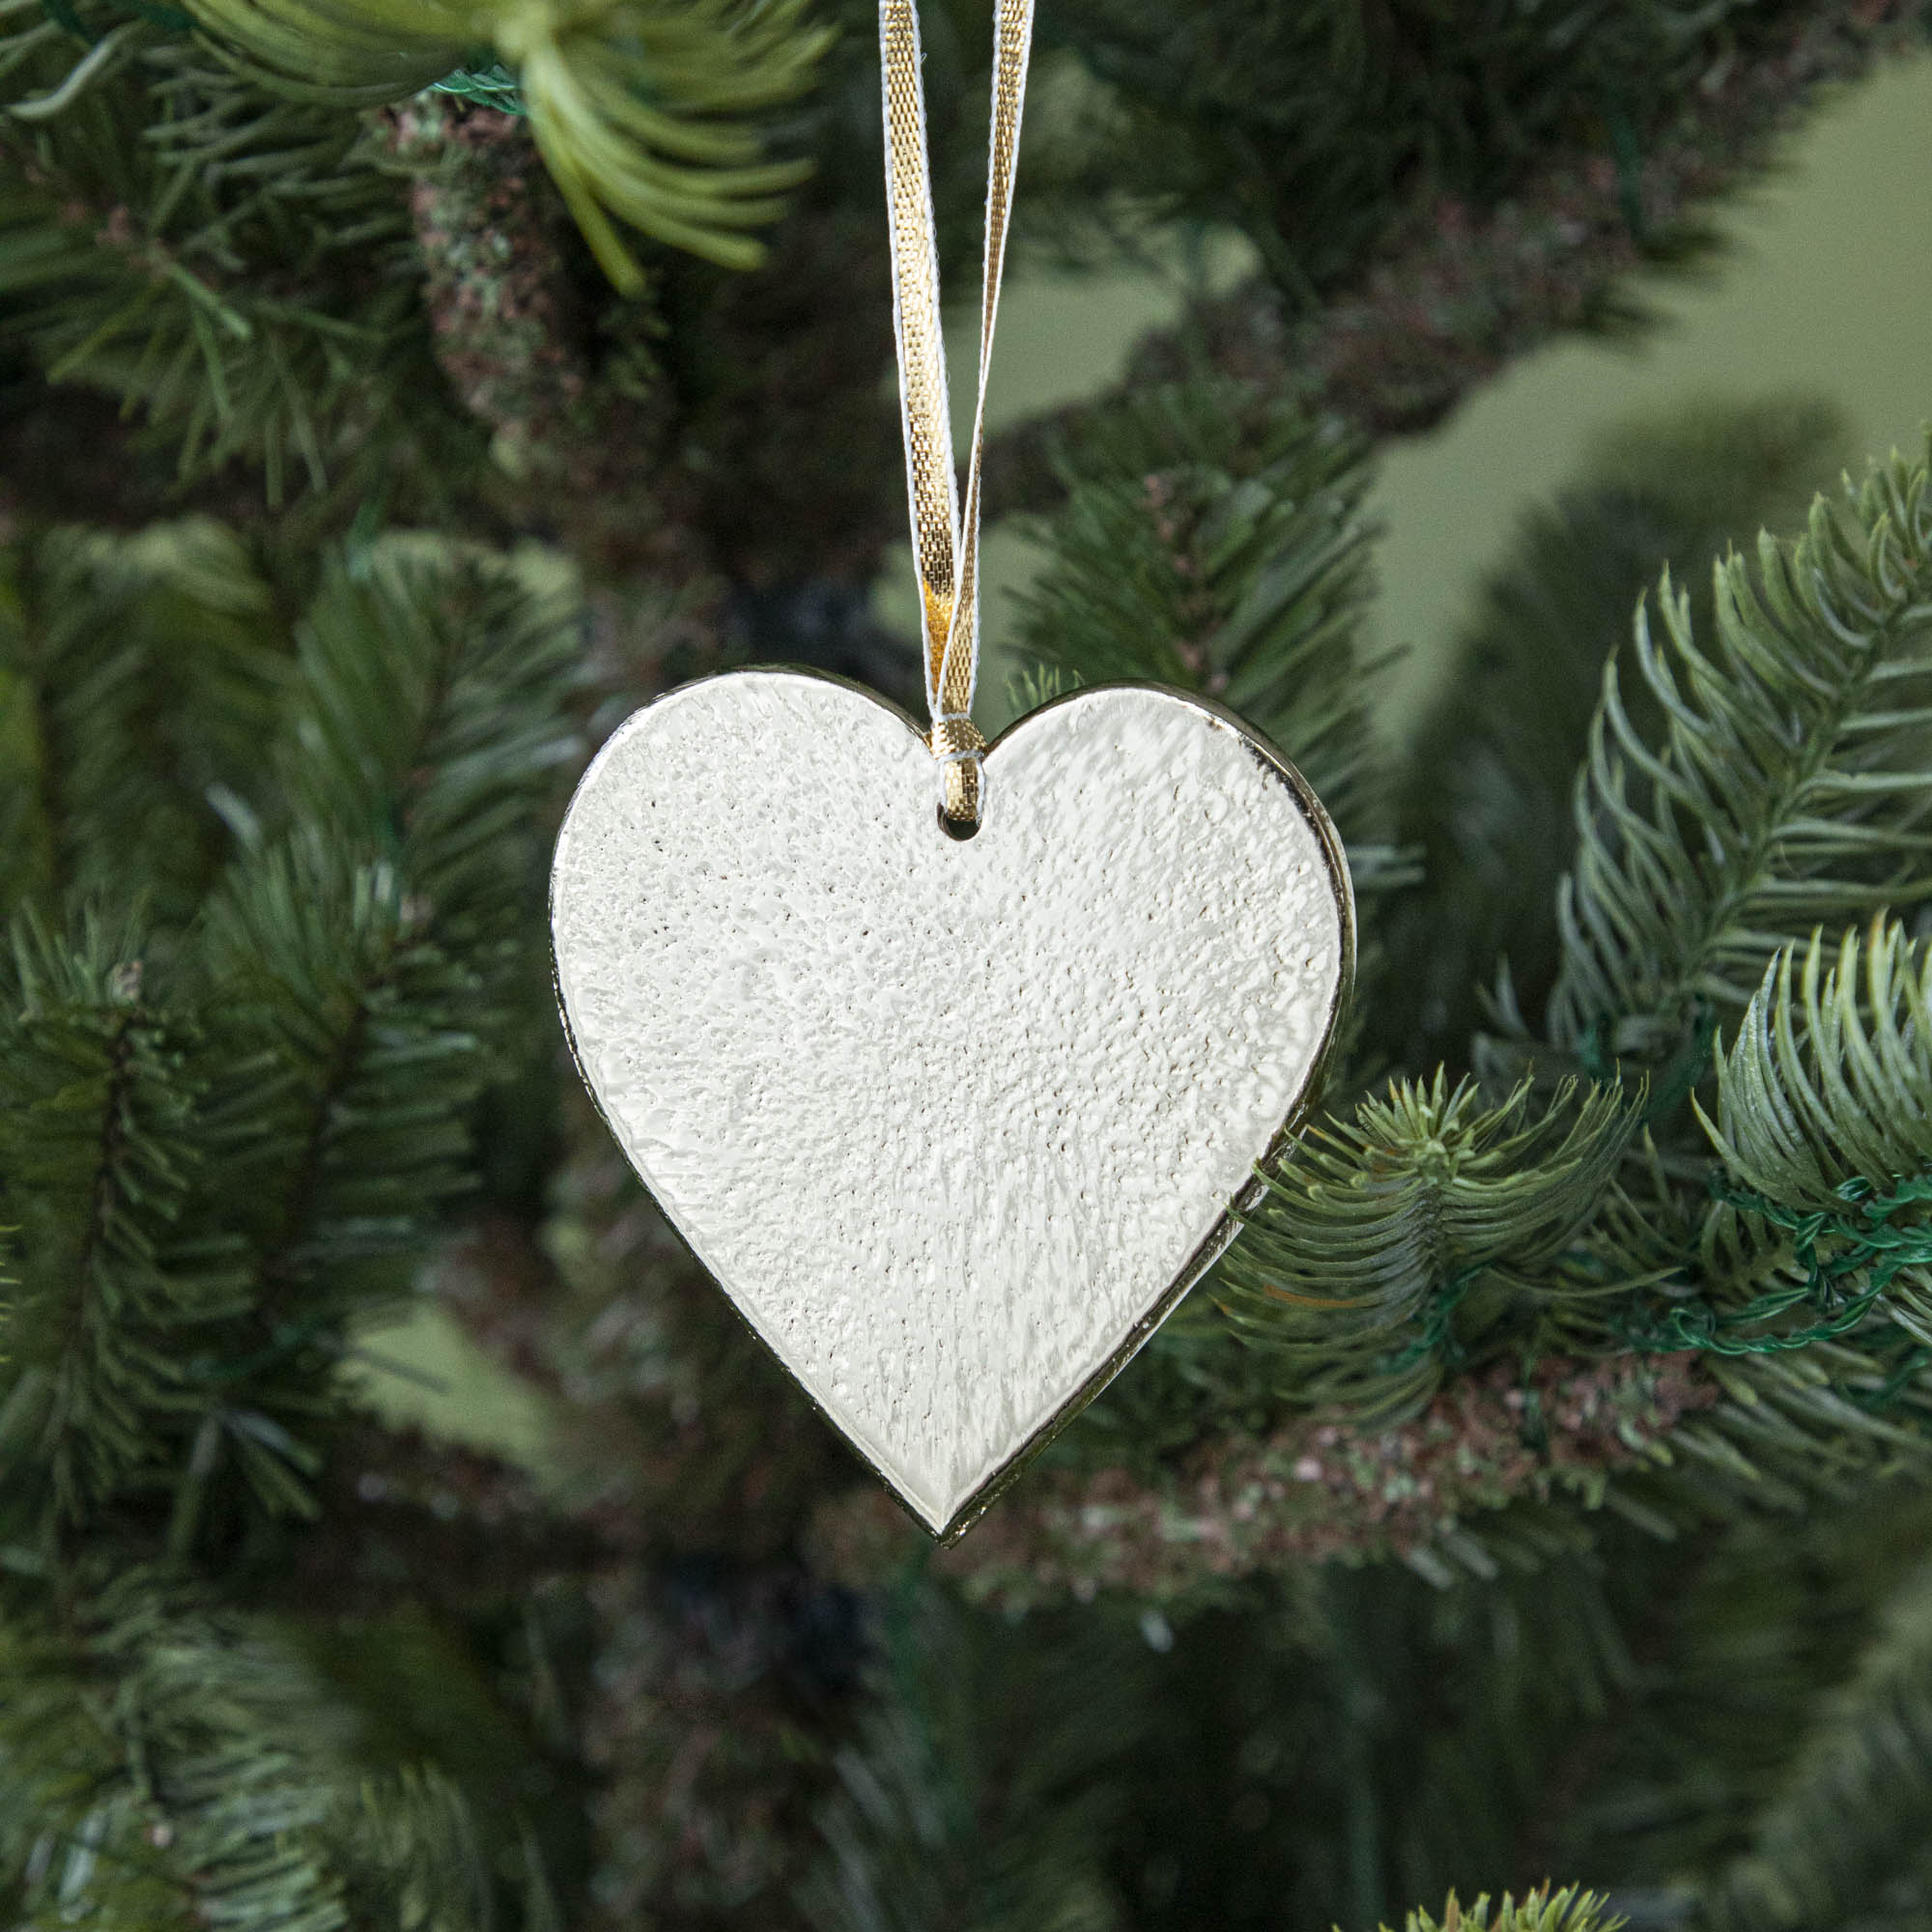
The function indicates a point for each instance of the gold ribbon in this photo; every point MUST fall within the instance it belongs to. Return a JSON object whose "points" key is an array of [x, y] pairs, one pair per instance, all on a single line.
{"points": [[946, 545]]}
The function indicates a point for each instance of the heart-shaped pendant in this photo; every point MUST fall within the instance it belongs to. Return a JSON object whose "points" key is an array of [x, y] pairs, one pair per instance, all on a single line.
{"points": [[954, 1121]]}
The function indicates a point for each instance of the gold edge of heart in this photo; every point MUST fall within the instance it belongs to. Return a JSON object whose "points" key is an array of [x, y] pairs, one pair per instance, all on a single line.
{"points": [[946, 546]]}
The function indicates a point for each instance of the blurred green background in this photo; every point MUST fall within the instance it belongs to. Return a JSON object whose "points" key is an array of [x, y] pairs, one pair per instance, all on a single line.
{"points": [[1825, 288]]}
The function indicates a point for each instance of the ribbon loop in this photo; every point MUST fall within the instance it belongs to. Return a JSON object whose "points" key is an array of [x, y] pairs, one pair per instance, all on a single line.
{"points": [[946, 545], [957, 744]]}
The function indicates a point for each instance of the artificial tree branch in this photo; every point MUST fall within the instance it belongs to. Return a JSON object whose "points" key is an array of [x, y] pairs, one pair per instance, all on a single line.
{"points": [[1456, 291], [405, 1521], [1311, 1490]]}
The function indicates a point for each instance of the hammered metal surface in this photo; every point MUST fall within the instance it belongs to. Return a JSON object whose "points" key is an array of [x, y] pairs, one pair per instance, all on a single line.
{"points": [[947, 1119]]}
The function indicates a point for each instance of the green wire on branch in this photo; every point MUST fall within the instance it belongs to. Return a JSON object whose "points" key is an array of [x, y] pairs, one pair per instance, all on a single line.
{"points": [[1827, 1139], [637, 107], [1866, 1250]]}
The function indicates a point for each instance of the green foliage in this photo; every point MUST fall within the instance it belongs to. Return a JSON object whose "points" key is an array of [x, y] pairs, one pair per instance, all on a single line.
{"points": [[99, 1098], [1340, 1739], [351, 1048], [1781, 783], [936, 1821], [1323, 1745], [425, 722], [1427, 1231], [1787, 787], [166, 1765], [639, 109], [1313, 128], [1821, 1125], [1492, 767], [236, 268], [1569, 1910], [1736, 1643], [492, 86], [1841, 1839], [1825, 1083], [138, 678], [229, 1135], [1214, 542]]}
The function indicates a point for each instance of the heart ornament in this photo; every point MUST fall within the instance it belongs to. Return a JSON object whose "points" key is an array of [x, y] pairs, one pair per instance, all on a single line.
{"points": [[954, 1063], [954, 1121]]}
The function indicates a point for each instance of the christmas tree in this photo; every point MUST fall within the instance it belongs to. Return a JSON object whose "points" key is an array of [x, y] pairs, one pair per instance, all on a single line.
{"points": [[1522, 1526]]}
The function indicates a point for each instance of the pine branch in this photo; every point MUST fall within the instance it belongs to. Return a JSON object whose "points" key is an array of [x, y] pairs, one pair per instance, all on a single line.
{"points": [[1696, 1752], [1454, 1704], [1846, 1828], [1825, 1095], [332, 988], [1570, 1909], [1319, 129], [231, 1137], [939, 1822], [1453, 279], [235, 266], [628, 430], [1427, 1493], [361, 960], [427, 727], [1514, 1466], [1304, 1751], [99, 1154], [1788, 788], [639, 110], [137, 678], [1822, 1104], [1429, 1232], [169, 1767], [1783, 787], [1492, 767], [572, 399], [1216, 544]]}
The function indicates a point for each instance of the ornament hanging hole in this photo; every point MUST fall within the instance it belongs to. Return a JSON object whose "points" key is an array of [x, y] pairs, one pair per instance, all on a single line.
{"points": [[958, 829]]}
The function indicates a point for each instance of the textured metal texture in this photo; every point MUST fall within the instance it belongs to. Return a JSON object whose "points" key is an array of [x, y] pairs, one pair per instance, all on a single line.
{"points": [[954, 1121]]}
